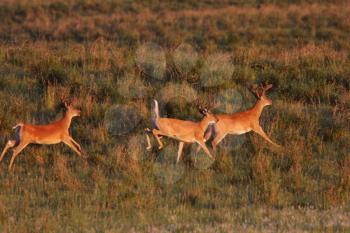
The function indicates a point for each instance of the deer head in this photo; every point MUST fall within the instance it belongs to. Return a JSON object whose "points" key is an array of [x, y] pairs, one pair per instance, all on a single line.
{"points": [[260, 93], [205, 111], [71, 111]]}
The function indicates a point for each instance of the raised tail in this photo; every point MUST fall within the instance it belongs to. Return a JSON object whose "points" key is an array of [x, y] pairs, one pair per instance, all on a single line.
{"points": [[18, 125], [156, 109], [18, 133], [155, 115]]}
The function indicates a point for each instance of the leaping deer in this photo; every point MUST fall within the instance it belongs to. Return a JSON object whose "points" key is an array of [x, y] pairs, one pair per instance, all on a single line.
{"points": [[181, 130], [243, 122], [44, 134]]}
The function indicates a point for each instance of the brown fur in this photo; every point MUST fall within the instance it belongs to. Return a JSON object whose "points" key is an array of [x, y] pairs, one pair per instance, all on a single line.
{"points": [[43, 134], [242, 122], [184, 131]]}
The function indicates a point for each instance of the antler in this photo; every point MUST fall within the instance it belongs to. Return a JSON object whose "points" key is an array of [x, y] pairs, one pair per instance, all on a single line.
{"points": [[205, 108], [65, 101], [212, 103], [74, 101], [254, 90], [199, 104], [265, 88]]}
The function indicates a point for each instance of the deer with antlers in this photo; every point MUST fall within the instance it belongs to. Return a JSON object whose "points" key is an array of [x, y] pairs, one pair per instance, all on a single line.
{"points": [[53, 133], [181, 130], [243, 122]]}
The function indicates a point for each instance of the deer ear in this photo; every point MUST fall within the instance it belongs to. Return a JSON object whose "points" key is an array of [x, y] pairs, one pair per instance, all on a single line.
{"points": [[66, 105], [202, 110], [205, 111]]}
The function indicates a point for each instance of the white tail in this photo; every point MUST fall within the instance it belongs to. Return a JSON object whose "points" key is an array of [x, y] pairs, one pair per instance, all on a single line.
{"points": [[156, 109], [183, 131]]}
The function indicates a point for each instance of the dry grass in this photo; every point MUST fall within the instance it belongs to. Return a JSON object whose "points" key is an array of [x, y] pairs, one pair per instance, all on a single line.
{"points": [[89, 50]]}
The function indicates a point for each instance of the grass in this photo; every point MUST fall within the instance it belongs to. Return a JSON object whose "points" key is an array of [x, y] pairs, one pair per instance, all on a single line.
{"points": [[97, 53]]}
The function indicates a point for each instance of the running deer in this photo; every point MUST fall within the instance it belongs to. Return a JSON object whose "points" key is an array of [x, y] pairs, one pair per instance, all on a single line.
{"points": [[53, 133], [242, 122], [181, 130]]}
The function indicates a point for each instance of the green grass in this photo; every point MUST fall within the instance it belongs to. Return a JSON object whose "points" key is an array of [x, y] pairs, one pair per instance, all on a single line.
{"points": [[95, 52]]}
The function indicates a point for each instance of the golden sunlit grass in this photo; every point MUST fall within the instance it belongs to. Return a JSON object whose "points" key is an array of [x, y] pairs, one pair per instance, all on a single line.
{"points": [[97, 53]]}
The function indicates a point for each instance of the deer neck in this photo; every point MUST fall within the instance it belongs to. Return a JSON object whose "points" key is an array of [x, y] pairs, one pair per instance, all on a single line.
{"points": [[204, 124], [258, 108], [66, 121]]}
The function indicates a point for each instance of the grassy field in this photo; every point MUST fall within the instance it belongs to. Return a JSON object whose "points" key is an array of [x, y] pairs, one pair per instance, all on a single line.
{"points": [[116, 56]]}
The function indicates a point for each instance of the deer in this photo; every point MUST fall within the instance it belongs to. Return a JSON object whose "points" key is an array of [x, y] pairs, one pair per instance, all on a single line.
{"points": [[182, 130], [49, 134], [242, 122]]}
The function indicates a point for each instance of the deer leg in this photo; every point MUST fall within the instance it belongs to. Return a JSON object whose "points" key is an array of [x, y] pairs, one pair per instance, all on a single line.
{"points": [[179, 152], [218, 138], [149, 145], [75, 143], [156, 134], [261, 132], [71, 145], [209, 132], [198, 149], [207, 135], [204, 147], [9, 144], [16, 151], [78, 147]]}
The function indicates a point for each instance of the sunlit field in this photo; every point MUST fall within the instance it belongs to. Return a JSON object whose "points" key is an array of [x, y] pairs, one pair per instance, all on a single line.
{"points": [[112, 58]]}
